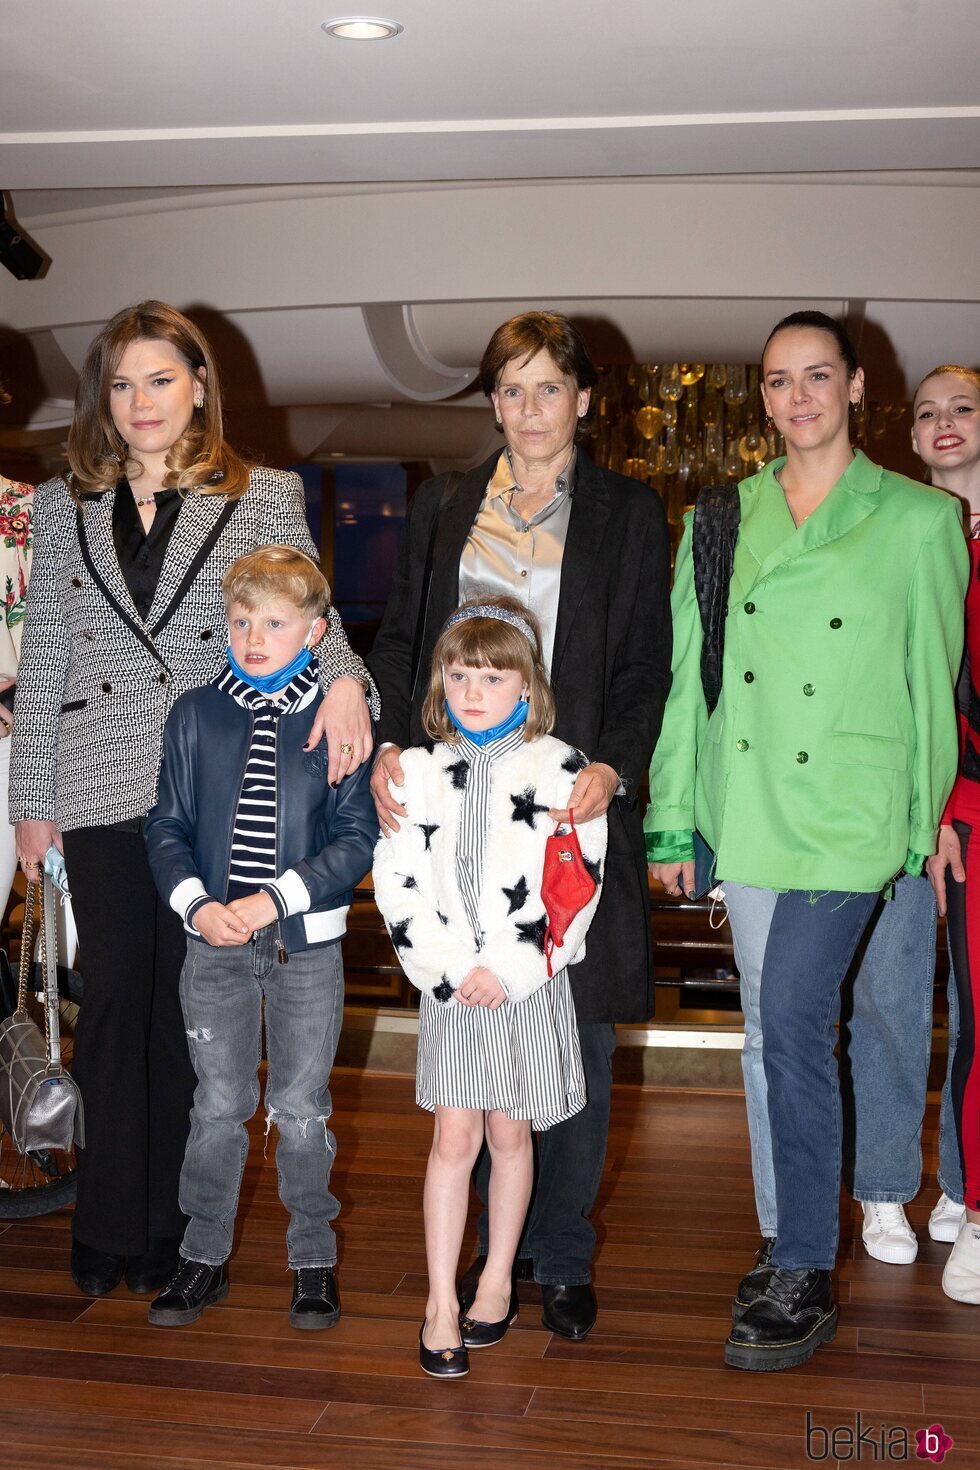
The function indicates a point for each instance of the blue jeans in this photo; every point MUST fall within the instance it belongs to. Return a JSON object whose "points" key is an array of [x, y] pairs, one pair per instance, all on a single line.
{"points": [[221, 992], [558, 1235], [813, 938], [885, 1043]]}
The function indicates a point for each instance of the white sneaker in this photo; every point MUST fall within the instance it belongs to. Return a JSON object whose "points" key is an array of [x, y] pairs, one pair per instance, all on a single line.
{"points": [[887, 1234], [961, 1278], [946, 1218]]}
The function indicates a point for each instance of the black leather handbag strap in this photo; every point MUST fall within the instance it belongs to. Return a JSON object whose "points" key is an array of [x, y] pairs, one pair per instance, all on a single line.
{"points": [[449, 490], [716, 520]]}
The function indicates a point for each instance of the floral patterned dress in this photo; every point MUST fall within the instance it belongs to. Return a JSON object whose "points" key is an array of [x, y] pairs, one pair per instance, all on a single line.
{"points": [[16, 542]]}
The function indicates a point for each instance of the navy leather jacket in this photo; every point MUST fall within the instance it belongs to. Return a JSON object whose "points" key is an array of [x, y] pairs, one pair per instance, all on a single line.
{"points": [[325, 836]]}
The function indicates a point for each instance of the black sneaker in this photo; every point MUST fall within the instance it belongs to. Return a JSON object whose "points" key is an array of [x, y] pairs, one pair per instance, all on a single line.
{"points": [[754, 1284], [194, 1287], [785, 1326], [316, 1299]]}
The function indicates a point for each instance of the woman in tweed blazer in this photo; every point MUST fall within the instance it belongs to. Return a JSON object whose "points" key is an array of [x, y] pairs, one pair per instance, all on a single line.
{"points": [[124, 613]]}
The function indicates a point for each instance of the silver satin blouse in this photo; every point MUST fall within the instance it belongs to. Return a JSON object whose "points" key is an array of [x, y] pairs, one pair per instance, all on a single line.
{"points": [[507, 556]]}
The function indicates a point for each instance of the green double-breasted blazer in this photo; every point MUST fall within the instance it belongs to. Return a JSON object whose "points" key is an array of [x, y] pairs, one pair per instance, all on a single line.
{"points": [[833, 747]]}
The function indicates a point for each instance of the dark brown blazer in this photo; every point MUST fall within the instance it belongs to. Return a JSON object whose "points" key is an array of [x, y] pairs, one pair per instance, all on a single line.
{"points": [[610, 675]]}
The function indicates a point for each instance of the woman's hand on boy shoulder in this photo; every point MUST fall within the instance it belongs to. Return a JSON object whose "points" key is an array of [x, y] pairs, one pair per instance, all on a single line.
{"points": [[481, 988], [345, 720], [594, 789]]}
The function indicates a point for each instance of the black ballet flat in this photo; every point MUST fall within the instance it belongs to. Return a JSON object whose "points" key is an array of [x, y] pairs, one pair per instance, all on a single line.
{"points": [[484, 1334], [449, 1363]]}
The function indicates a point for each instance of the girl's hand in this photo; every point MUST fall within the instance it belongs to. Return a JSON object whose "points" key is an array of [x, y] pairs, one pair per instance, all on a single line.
{"points": [[387, 767], [6, 721], [594, 789], [676, 878], [949, 855], [344, 718], [481, 988]]}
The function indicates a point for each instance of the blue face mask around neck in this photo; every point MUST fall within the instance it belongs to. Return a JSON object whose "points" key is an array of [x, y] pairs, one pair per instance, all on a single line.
{"points": [[272, 683], [516, 717]]}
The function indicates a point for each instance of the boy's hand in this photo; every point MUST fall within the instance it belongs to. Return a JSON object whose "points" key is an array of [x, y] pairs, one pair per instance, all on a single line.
{"points": [[256, 911], [219, 926], [481, 988]]}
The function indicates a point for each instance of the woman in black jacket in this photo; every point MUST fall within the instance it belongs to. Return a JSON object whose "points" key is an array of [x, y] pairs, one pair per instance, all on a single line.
{"points": [[587, 552]]}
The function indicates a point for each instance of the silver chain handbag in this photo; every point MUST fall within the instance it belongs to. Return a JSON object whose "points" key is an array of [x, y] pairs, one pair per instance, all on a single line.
{"points": [[40, 1104]]}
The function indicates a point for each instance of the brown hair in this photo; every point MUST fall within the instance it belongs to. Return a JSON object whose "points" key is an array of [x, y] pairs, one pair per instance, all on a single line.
{"points": [[200, 460], [489, 643], [951, 369], [277, 571], [532, 332], [820, 322]]}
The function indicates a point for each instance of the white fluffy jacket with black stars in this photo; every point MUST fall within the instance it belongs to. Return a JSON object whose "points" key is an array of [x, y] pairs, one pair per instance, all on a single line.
{"points": [[415, 881]]}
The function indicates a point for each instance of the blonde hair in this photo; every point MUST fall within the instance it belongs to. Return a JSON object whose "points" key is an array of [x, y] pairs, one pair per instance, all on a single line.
{"points": [[277, 571], [949, 369], [489, 643], [200, 460]]}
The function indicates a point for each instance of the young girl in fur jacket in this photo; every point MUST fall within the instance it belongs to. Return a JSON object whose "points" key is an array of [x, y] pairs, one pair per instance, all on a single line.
{"points": [[459, 886]]}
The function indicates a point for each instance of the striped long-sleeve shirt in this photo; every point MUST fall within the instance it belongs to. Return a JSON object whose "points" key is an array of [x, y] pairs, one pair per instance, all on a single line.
{"points": [[254, 860]]}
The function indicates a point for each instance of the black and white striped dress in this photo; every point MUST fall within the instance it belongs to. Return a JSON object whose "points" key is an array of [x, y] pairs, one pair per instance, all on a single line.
{"points": [[522, 1059]]}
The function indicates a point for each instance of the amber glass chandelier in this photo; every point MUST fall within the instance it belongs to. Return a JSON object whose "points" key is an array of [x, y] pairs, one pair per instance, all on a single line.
{"points": [[680, 425]]}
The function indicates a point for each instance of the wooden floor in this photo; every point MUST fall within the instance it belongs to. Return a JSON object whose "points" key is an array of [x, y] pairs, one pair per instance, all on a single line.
{"points": [[90, 1384]]}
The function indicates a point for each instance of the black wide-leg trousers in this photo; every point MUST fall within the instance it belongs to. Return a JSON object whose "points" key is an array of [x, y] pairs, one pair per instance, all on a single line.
{"points": [[131, 1060]]}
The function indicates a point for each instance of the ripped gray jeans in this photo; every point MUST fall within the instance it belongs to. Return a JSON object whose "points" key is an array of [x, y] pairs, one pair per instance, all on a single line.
{"points": [[221, 992]]}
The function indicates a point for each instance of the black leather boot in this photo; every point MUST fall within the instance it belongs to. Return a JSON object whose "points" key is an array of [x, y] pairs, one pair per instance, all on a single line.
{"points": [[754, 1284], [569, 1310], [785, 1326], [95, 1272]]}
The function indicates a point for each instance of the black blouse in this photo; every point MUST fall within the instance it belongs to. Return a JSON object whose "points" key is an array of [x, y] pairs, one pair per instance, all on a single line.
{"points": [[141, 552]]}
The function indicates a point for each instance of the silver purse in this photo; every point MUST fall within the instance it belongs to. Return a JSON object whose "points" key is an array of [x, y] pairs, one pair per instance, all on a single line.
{"points": [[40, 1104]]}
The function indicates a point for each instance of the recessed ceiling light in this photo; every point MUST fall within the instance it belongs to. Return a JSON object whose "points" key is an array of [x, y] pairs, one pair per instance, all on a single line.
{"points": [[361, 28]]}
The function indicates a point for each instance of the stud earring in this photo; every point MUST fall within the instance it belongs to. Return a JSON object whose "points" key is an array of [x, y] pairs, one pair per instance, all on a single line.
{"points": [[198, 400]]}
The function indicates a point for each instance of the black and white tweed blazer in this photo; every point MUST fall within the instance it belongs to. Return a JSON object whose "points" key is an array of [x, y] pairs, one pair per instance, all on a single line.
{"points": [[96, 682]]}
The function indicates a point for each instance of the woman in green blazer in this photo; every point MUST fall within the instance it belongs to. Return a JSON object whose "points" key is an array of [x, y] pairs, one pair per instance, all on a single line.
{"points": [[820, 774]]}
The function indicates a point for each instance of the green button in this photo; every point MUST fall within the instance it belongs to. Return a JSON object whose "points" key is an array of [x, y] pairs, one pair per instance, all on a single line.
{"points": [[741, 745], [835, 623], [750, 607], [807, 688], [749, 676], [802, 757]]}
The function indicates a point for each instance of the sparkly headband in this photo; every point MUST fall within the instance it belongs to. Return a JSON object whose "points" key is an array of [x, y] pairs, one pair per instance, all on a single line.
{"points": [[502, 615]]}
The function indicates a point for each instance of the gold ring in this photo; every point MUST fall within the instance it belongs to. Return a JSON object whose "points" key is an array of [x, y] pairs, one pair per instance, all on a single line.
{"points": [[347, 748]]}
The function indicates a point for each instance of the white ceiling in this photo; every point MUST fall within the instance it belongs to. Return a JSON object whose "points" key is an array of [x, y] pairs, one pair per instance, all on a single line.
{"points": [[355, 217], [105, 93]]}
